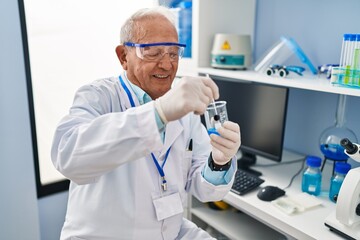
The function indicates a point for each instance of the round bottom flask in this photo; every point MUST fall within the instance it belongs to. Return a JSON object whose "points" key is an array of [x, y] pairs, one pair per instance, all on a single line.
{"points": [[331, 137]]}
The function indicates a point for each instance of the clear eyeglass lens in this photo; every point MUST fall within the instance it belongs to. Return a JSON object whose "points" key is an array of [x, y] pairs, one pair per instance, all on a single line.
{"points": [[156, 53]]}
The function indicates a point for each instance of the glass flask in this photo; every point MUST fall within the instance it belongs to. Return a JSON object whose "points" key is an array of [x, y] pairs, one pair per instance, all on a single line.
{"points": [[330, 138]]}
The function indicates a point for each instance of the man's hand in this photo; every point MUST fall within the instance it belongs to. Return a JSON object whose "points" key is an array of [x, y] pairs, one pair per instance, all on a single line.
{"points": [[225, 146], [190, 94]]}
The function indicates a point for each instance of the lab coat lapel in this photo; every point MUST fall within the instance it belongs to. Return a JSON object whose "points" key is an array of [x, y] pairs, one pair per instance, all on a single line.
{"points": [[173, 130], [124, 95]]}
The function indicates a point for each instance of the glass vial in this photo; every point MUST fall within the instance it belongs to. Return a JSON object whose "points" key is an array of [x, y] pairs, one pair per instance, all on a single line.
{"points": [[311, 179], [344, 49], [341, 169]]}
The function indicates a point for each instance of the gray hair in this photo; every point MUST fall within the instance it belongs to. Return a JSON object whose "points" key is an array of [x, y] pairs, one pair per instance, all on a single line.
{"points": [[131, 27]]}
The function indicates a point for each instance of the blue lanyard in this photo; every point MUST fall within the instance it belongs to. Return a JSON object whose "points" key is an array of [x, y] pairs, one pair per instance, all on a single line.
{"points": [[159, 168], [127, 91]]}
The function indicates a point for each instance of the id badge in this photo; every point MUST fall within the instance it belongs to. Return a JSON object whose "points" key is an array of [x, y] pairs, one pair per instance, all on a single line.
{"points": [[168, 206]]}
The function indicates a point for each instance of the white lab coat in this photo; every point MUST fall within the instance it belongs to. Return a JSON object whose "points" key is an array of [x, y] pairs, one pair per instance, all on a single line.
{"points": [[104, 147]]}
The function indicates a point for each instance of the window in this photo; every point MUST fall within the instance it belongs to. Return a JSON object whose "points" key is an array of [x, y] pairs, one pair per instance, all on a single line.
{"points": [[67, 43]]}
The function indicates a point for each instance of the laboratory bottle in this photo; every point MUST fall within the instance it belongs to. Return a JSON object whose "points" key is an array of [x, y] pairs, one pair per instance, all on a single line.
{"points": [[185, 26], [341, 169], [311, 179]]}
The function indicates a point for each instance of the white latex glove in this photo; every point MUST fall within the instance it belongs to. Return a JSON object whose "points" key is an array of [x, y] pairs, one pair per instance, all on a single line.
{"points": [[190, 94], [225, 146]]}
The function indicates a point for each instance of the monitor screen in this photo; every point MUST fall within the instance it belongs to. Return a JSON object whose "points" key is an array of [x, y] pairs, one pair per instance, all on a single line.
{"points": [[260, 110]]}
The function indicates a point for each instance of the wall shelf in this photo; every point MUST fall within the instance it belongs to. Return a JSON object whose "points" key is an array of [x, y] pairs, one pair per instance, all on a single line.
{"points": [[308, 82]]}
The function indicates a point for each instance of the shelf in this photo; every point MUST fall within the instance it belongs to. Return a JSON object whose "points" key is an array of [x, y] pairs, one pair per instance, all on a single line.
{"points": [[308, 82], [235, 224]]}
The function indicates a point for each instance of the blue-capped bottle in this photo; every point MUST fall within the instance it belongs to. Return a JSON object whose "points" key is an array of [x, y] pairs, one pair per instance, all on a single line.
{"points": [[311, 179], [341, 169], [185, 25]]}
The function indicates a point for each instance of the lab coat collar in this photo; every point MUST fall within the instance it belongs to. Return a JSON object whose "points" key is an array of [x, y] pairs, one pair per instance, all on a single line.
{"points": [[172, 132]]}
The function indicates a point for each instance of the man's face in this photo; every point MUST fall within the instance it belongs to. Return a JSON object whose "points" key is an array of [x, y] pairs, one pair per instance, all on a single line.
{"points": [[154, 77]]}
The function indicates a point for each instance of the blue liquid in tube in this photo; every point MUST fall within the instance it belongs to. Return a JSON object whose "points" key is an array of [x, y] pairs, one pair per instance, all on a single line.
{"points": [[213, 131]]}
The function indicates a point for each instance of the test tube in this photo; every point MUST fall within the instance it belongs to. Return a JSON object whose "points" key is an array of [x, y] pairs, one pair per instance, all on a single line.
{"points": [[343, 49], [356, 61], [351, 49], [349, 45], [342, 56], [352, 79], [356, 52], [343, 59]]}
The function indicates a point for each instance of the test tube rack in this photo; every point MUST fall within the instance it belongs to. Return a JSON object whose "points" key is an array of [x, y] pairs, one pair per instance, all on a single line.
{"points": [[348, 72]]}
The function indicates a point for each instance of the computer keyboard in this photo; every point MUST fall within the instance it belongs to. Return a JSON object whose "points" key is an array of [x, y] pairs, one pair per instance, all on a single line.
{"points": [[245, 182]]}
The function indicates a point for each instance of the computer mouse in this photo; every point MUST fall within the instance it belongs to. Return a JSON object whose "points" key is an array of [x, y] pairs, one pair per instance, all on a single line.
{"points": [[270, 193]]}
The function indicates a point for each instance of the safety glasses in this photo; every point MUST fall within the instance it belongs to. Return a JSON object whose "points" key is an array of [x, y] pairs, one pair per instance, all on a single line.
{"points": [[153, 52]]}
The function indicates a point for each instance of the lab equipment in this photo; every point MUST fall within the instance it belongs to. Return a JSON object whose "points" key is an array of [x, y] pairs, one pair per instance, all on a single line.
{"points": [[348, 72], [356, 61], [345, 50], [280, 53], [270, 193], [283, 71], [215, 116], [262, 131], [311, 179], [208, 76], [245, 182], [231, 51], [330, 138], [341, 169], [345, 220]]}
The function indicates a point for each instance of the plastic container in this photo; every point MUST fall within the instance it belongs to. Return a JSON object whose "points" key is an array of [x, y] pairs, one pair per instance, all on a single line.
{"points": [[185, 26], [341, 169], [345, 77], [311, 179], [280, 53]]}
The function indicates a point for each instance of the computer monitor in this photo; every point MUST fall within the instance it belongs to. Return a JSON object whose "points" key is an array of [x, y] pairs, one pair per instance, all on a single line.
{"points": [[260, 110]]}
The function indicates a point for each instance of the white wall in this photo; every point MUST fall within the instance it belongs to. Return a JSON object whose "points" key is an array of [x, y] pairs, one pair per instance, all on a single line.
{"points": [[18, 202]]}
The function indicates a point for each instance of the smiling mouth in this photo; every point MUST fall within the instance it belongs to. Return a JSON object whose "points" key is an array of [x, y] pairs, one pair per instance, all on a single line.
{"points": [[161, 76]]}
